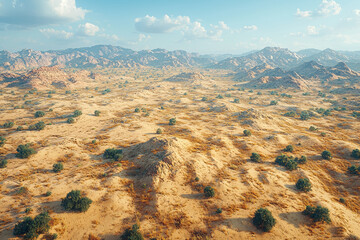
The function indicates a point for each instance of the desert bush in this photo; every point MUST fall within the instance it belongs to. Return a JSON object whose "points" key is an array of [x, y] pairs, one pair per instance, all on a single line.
{"points": [[291, 165], [31, 228], [114, 154], [342, 200], [355, 153], [132, 233], [159, 131], [219, 96], [37, 126], [318, 213], [19, 128], [312, 128], [255, 157], [3, 163], [264, 220], [24, 151], [288, 162], [48, 193], [2, 141], [326, 155], [290, 114], [39, 114], [70, 120], [353, 169], [97, 113], [301, 160], [236, 100], [137, 109], [209, 192], [77, 113], [289, 148], [75, 202], [204, 99], [172, 121], [303, 184], [304, 115], [57, 167], [274, 102], [247, 132], [8, 125]]}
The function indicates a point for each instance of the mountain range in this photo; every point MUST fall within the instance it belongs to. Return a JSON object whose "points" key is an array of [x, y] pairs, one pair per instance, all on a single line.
{"points": [[113, 56]]}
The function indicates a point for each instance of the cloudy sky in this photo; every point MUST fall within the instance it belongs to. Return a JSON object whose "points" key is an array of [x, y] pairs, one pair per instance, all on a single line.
{"points": [[204, 26]]}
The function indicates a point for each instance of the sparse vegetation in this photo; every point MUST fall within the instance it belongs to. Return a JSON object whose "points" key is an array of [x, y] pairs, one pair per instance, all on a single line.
{"points": [[70, 120], [97, 113], [318, 213], [209, 192], [39, 114], [37, 126], [31, 228], [289, 148], [58, 167], [8, 125], [326, 155], [75, 202], [355, 153], [114, 154], [2, 141], [77, 113], [172, 121], [303, 184], [159, 131], [3, 163], [274, 102], [255, 157], [24, 151], [288, 162], [247, 132], [132, 233], [264, 220]]}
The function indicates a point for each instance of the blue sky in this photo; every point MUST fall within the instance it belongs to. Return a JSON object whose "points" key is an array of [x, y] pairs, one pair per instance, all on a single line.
{"points": [[211, 26]]}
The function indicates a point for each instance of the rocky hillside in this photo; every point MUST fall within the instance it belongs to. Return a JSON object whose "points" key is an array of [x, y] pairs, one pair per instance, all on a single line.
{"points": [[186, 77], [100, 56]]}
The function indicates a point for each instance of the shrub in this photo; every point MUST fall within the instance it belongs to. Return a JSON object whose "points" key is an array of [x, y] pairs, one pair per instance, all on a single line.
{"points": [[312, 128], [326, 155], [353, 169], [209, 192], [219, 96], [264, 220], [19, 128], [318, 214], [301, 160], [172, 121], [355, 153], [137, 109], [290, 114], [24, 151], [273, 102], [97, 113], [114, 154], [159, 131], [2, 141], [303, 184], [219, 210], [37, 126], [48, 193], [77, 113], [304, 115], [291, 165], [132, 234], [286, 161], [57, 167], [31, 228], [236, 100], [247, 132], [8, 125], [289, 148], [70, 120], [39, 114], [255, 157], [75, 202], [3, 163], [342, 200]]}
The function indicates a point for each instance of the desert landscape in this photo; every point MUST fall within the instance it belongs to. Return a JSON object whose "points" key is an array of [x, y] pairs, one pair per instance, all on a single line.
{"points": [[175, 131]]}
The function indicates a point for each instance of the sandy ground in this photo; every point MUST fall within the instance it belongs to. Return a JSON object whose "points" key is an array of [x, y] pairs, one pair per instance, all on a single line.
{"points": [[155, 184]]}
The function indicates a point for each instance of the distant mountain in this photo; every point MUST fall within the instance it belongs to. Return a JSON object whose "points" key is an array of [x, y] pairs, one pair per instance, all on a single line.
{"points": [[328, 57], [100, 56], [308, 52], [273, 56]]}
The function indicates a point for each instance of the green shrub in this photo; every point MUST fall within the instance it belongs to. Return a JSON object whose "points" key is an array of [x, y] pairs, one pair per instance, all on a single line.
{"points": [[204, 99], [291, 165], [304, 115], [48, 193], [75, 202], [39, 114], [342, 200], [57, 167], [274, 102], [326, 155], [2, 141], [353, 169], [264, 220], [24, 151], [3, 163], [114, 154], [289, 148], [301, 160], [137, 109], [172, 121], [19, 128], [70, 120], [236, 100], [318, 214], [31, 228], [219, 96], [290, 114], [303, 184], [132, 234], [37, 126], [77, 113], [159, 131], [209, 192], [355, 153], [97, 113], [286, 161], [312, 128], [8, 125], [247, 132], [219, 210], [255, 157]]}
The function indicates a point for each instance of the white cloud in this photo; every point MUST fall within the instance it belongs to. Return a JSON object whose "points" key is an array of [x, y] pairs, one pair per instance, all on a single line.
{"points": [[88, 29], [196, 31], [59, 34], [311, 30], [357, 12], [39, 12], [151, 24], [326, 8], [251, 28]]}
